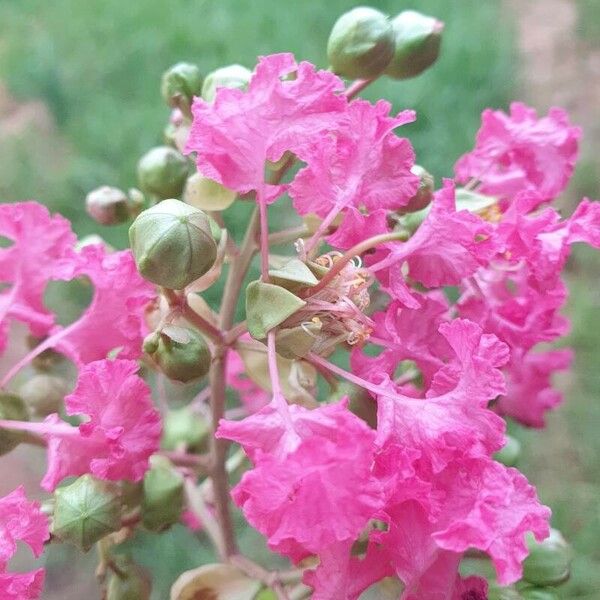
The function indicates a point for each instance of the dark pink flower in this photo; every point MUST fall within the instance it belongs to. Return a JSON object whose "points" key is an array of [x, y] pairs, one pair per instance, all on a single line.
{"points": [[285, 107], [520, 151], [21, 521]]}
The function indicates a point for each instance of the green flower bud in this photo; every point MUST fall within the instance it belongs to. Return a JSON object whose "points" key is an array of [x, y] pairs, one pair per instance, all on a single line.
{"points": [[131, 583], [549, 561], [172, 244], [183, 359], [13, 408], [361, 43], [509, 454], [231, 76], [43, 394], [183, 427], [206, 194], [107, 205], [424, 194], [86, 511], [417, 39], [181, 82], [162, 171], [496, 592], [163, 495], [535, 593]]}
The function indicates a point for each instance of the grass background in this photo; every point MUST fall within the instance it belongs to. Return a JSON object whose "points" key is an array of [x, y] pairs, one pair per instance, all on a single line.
{"points": [[97, 64]]}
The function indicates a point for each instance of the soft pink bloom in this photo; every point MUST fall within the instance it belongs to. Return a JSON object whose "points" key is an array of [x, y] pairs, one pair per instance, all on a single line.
{"points": [[122, 427], [235, 135], [114, 319], [447, 247], [362, 164], [41, 250], [356, 226], [529, 394], [522, 152], [21, 521]]}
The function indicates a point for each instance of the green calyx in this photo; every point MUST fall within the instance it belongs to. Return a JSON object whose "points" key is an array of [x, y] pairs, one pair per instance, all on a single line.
{"points": [[86, 511], [183, 357], [162, 172], [231, 76], [12, 408], [361, 43], [181, 82], [268, 305], [172, 244], [417, 39], [162, 501]]}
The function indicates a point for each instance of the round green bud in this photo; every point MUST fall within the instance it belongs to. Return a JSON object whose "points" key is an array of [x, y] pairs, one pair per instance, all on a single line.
{"points": [[162, 502], [107, 205], [12, 408], [172, 244], [183, 359], [131, 583], [86, 511], [182, 81], [207, 194], [162, 172], [183, 427], [417, 44], [424, 194], [231, 76], [43, 394], [510, 453], [361, 43], [536, 593], [549, 561]]}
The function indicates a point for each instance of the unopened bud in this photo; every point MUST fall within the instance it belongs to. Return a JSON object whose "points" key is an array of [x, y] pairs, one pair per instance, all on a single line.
{"points": [[86, 511], [231, 76], [182, 81], [163, 495], [11, 408], [107, 205], [424, 194], [510, 453], [43, 394], [162, 172], [172, 244], [207, 194], [543, 593], [130, 583], [361, 43], [183, 427], [549, 561], [183, 357], [417, 44]]}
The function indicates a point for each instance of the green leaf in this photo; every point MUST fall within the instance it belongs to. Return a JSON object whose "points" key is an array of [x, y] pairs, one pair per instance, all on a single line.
{"points": [[267, 306]]}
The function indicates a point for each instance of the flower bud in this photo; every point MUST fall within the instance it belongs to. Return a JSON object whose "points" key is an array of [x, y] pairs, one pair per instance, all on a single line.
{"points": [[172, 244], [162, 171], [535, 593], [183, 427], [361, 43], [107, 205], [496, 592], [163, 495], [424, 194], [43, 394], [181, 82], [86, 511], [417, 40], [207, 194], [509, 454], [131, 583], [183, 359], [13, 408], [231, 76], [549, 561]]}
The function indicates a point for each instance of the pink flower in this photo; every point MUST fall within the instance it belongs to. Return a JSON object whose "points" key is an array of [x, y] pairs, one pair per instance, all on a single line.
{"points": [[529, 394], [122, 430], [447, 247], [114, 319], [41, 250], [356, 226], [21, 521], [362, 164], [521, 152], [286, 106]]}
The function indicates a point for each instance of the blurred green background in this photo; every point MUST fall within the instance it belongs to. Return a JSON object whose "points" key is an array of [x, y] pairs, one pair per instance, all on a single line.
{"points": [[79, 104]]}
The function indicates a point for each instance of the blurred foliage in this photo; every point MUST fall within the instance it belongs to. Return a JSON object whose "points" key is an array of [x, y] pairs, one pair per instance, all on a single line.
{"points": [[589, 20]]}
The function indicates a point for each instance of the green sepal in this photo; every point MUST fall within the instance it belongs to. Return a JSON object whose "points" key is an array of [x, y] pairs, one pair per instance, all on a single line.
{"points": [[296, 342], [293, 275]]}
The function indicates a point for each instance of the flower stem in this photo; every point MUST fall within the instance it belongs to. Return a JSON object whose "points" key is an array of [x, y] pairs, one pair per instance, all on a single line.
{"points": [[356, 87]]}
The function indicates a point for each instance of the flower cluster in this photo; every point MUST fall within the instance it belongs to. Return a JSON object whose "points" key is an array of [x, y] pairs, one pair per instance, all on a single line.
{"points": [[439, 300]]}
